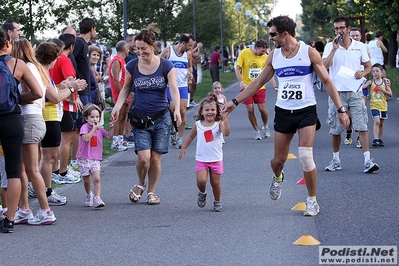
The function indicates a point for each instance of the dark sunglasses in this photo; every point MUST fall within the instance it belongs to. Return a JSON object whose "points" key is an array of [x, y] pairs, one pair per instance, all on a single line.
{"points": [[273, 34]]}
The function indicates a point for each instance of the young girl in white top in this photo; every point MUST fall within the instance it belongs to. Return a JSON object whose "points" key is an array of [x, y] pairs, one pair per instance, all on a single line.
{"points": [[209, 126], [217, 89]]}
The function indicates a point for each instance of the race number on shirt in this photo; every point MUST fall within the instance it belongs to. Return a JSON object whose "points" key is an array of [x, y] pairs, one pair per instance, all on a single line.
{"points": [[254, 72], [291, 91]]}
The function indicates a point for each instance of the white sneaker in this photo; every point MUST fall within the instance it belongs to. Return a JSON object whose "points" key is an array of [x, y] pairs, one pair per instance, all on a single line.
{"points": [[98, 202], [179, 142], [265, 132], [66, 179], [89, 200], [73, 172], [22, 217], [312, 208], [56, 200], [258, 136], [118, 147], [42, 218]]}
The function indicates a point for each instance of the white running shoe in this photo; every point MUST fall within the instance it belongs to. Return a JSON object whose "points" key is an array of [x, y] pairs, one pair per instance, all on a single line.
{"points": [[42, 218], [258, 136], [22, 217], [312, 208]]}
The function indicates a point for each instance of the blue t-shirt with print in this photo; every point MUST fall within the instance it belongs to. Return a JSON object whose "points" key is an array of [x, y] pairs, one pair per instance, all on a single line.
{"points": [[150, 89]]}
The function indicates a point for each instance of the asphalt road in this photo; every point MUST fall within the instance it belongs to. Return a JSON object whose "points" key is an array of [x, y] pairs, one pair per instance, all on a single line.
{"points": [[356, 208]]}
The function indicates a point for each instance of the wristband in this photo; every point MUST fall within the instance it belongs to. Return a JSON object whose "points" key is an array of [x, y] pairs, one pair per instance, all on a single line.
{"points": [[236, 103]]}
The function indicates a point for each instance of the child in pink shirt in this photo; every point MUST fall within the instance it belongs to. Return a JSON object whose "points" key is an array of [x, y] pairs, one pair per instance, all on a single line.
{"points": [[90, 153]]}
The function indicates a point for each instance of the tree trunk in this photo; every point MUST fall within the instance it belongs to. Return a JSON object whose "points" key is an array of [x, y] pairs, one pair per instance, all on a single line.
{"points": [[392, 49]]}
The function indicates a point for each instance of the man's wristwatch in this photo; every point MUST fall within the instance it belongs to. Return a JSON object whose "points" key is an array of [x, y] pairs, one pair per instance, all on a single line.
{"points": [[236, 103], [342, 109], [71, 89]]}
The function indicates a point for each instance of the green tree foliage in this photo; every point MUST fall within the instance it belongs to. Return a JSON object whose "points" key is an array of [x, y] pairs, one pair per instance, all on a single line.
{"points": [[318, 16], [33, 15]]}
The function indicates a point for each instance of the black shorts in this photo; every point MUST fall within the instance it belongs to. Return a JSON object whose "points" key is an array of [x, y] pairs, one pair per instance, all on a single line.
{"points": [[53, 135], [68, 122], [288, 121]]}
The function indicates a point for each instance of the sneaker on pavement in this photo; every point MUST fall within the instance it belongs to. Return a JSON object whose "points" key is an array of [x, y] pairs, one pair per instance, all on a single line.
{"points": [[258, 136], [173, 137], [358, 144], [381, 143], [188, 127], [3, 215], [55, 178], [370, 166], [67, 179], [56, 200], [118, 147], [193, 104], [217, 206], [265, 132], [179, 143], [335, 164], [6, 226], [74, 167], [89, 200], [22, 217], [348, 139], [31, 191], [42, 218], [201, 201], [98, 202], [312, 207], [375, 143], [275, 188], [72, 172]]}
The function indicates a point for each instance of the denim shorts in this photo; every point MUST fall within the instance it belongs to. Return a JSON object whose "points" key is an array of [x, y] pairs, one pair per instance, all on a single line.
{"points": [[380, 114], [155, 137]]}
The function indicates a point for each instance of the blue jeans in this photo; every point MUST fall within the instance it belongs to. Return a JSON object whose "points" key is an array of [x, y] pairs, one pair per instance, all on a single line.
{"points": [[155, 137]]}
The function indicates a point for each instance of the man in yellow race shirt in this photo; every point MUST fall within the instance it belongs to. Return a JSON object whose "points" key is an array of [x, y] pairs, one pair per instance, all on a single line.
{"points": [[250, 63]]}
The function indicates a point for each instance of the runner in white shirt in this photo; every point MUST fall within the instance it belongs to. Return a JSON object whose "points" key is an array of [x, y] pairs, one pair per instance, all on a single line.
{"points": [[293, 63]]}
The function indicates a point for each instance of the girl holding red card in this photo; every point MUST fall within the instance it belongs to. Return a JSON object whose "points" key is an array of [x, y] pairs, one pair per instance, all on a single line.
{"points": [[209, 128], [90, 153]]}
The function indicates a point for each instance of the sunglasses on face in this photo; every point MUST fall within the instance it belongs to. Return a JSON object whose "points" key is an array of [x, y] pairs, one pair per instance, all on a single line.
{"points": [[273, 34], [340, 28]]}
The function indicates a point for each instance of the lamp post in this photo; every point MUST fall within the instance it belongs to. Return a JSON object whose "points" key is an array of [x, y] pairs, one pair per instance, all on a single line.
{"points": [[261, 21], [248, 15], [238, 6], [195, 26], [256, 18], [221, 29]]}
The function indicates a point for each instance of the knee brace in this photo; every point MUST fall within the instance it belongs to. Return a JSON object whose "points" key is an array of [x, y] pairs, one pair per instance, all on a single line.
{"points": [[306, 158]]}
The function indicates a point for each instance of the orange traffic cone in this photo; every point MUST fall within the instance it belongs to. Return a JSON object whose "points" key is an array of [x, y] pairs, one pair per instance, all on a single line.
{"points": [[307, 240], [301, 206], [301, 181]]}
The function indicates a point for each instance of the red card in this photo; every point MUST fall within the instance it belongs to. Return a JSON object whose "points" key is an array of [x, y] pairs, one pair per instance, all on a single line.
{"points": [[208, 135], [93, 141]]}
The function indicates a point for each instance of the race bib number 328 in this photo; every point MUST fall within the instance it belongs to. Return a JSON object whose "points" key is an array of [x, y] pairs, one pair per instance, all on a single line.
{"points": [[291, 91]]}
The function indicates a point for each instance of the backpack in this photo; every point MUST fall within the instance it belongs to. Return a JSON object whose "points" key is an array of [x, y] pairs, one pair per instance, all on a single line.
{"points": [[9, 95]]}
